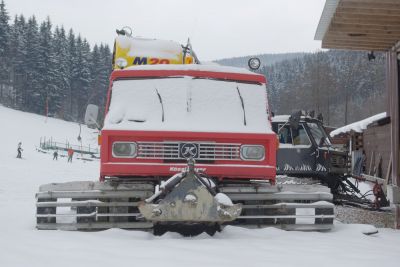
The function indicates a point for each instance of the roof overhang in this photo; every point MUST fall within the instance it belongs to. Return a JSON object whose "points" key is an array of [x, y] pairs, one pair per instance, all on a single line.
{"points": [[372, 25]]}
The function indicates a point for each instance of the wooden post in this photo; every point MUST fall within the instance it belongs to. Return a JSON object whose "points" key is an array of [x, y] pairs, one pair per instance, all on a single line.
{"points": [[371, 160], [388, 172], [392, 83]]}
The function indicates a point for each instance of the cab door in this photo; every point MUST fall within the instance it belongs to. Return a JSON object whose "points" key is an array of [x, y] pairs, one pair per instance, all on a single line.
{"points": [[296, 154], [323, 147]]}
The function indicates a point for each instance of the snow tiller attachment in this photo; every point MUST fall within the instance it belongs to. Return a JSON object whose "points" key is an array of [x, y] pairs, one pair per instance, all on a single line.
{"points": [[188, 200]]}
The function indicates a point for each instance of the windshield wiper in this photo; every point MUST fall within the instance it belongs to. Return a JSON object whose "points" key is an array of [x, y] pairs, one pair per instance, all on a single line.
{"points": [[162, 105], [241, 100]]}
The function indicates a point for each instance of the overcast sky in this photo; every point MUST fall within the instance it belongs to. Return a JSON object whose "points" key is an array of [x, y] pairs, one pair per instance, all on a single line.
{"points": [[217, 28]]}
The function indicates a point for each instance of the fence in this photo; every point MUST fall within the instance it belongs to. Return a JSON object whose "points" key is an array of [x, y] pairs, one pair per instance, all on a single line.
{"points": [[49, 143]]}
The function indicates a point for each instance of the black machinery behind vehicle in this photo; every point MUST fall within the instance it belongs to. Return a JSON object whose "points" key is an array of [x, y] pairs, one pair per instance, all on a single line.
{"points": [[306, 151]]}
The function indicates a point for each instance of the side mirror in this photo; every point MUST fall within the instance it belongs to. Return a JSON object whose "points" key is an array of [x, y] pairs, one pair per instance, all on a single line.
{"points": [[294, 119], [92, 112]]}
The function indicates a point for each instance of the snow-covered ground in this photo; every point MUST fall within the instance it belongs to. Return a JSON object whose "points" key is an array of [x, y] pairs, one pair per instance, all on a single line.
{"points": [[22, 245]]}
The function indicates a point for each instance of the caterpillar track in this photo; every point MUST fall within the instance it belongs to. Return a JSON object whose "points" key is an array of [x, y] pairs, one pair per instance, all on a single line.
{"points": [[185, 203]]}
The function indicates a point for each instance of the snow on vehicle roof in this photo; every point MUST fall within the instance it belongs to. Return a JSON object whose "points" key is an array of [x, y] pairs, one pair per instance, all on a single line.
{"points": [[285, 118], [194, 67], [280, 118], [187, 104], [358, 126]]}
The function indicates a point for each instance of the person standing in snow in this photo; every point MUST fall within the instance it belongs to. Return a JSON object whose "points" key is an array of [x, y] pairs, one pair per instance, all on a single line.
{"points": [[55, 155], [70, 154], [19, 150]]}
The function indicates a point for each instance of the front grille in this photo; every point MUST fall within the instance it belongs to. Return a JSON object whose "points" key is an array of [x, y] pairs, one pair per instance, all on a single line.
{"points": [[170, 151], [338, 161]]}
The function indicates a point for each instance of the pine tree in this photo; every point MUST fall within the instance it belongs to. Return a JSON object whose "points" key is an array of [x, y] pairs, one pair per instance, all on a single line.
{"points": [[103, 75], [62, 70], [18, 52], [81, 79], [95, 73], [4, 49], [31, 63], [46, 66], [73, 66]]}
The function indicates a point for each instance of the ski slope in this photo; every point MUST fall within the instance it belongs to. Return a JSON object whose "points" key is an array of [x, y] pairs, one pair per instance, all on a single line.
{"points": [[22, 245]]}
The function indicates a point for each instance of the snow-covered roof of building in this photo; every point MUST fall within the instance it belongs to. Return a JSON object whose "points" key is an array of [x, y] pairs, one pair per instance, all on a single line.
{"points": [[358, 126]]}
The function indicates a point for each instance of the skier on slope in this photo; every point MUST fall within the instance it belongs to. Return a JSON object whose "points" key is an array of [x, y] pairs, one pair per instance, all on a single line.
{"points": [[70, 154], [19, 150], [55, 155]]}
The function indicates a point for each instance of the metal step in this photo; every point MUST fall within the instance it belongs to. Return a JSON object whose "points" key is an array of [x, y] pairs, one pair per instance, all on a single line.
{"points": [[94, 194], [86, 203], [94, 226], [289, 197], [294, 227]]}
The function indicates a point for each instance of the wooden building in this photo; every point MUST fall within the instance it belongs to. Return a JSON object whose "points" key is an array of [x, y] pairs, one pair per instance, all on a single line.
{"points": [[371, 137], [370, 25]]}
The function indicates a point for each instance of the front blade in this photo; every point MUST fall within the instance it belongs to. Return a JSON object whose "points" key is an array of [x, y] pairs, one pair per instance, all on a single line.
{"points": [[189, 201]]}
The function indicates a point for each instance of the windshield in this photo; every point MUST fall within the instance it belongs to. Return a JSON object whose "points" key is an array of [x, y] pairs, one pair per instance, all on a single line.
{"points": [[318, 132], [187, 104]]}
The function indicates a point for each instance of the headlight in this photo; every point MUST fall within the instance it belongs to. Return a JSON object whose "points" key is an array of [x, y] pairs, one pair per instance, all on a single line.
{"points": [[252, 152], [124, 150]]}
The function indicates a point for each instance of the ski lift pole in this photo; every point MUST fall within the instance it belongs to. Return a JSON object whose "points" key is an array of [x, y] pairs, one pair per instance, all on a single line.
{"points": [[47, 107], [80, 139]]}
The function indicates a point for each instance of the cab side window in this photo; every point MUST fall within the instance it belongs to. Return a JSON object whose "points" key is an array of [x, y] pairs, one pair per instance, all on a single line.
{"points": [[295, 137], [300, 136], [285, 134]]}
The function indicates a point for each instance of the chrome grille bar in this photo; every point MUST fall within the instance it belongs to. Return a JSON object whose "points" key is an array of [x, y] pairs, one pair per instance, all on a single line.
{"points": [[170, 150]]}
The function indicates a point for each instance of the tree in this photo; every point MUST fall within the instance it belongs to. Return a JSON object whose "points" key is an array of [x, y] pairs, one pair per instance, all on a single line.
{"points": [[62, 68], [49, 91], [73, 66], [81, 77], [104, 73], [4, 48], [31, 65], [47, 71], [18, 52], [335, 83]]}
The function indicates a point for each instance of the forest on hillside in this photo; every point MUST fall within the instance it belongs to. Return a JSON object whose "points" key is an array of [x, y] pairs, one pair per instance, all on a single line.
{"points": [[266, 59], [46, 70], [345, 86]]}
